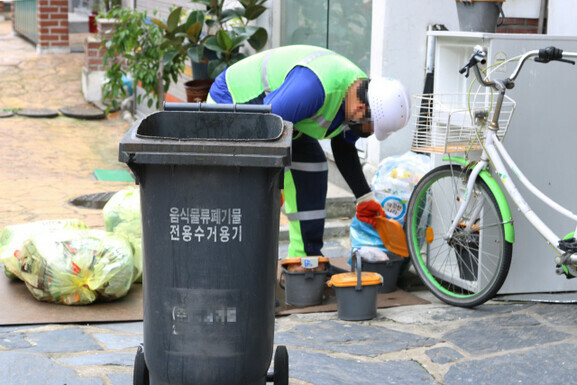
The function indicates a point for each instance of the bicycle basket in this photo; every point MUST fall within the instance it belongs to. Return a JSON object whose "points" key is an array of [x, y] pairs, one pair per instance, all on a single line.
{"points": [[448, 123]]}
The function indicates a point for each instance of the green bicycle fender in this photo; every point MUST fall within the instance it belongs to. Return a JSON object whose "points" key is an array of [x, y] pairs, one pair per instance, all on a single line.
{"points": [[499, 196]]}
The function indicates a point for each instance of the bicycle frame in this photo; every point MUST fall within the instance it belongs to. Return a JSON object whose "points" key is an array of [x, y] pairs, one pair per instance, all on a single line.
{"points": [[493, 154]]}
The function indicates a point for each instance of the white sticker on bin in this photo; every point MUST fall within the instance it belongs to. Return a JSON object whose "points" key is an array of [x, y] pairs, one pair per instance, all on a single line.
{"points": [[309, 262]]}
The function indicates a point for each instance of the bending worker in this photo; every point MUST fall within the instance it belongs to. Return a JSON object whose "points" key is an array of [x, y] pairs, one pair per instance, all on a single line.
{"points": [[325, 96]]}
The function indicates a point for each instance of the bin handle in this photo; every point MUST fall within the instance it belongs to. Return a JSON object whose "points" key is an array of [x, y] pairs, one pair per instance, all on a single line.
{"points": [[209, 107], [357, 258]]}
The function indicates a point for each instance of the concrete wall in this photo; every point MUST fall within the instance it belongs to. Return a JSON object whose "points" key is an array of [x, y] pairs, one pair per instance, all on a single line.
{"points": [[398, 50], [561, 18]]}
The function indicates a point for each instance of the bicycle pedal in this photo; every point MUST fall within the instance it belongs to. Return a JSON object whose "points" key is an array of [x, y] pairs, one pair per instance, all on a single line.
{"points": [[568, 270], [568, 245]]}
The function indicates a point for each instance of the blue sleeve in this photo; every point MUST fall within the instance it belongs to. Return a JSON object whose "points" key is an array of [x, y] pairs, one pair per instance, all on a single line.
{"points": [[219, 90], [299, 97]]}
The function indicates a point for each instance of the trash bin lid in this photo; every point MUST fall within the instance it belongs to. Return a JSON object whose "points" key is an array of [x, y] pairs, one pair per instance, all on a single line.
{"points": [[208, 139], [350, 279]]}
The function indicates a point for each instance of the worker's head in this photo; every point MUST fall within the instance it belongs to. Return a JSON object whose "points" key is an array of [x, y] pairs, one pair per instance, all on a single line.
{"points": [[380, 106]]}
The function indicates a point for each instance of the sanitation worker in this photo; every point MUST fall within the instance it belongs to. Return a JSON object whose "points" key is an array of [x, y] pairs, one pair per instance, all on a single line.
{"points": [[325, 96]]}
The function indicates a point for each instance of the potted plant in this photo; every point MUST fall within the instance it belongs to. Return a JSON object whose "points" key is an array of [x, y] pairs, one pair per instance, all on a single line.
{"points": [[212, 36], [136, 52]]}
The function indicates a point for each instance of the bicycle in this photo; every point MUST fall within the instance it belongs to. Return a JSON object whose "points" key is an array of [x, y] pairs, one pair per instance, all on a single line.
{"points": [[459, 228]]}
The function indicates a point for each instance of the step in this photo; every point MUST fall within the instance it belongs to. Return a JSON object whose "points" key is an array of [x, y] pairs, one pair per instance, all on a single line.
{"points": [[340, 208]]}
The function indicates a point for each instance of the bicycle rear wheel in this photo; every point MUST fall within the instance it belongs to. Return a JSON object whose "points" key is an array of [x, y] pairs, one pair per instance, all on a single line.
{"points": [[468, 268]]}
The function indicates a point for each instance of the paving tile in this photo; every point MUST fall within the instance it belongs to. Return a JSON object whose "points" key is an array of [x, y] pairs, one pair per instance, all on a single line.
{"points": [[13, 341], [552, 364], [321, 369], [118, 342], [502, 334], [71, 339], [350, 338], [31, 369], [560, 315]]}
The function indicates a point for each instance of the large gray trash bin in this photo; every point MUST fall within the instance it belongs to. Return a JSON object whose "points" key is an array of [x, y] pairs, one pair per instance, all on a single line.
{"points": [[210, 199]]}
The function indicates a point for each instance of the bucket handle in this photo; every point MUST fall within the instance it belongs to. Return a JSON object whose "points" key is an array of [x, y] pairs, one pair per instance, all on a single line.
{"points": [[357, 266]]}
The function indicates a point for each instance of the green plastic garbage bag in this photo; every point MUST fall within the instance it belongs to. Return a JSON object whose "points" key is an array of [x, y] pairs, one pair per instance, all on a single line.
{"points": [[122, 216], [13, 237], [77, 267]]}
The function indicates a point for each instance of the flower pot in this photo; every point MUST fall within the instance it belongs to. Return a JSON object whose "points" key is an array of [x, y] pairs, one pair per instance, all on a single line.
{"points": [[200, 70], [197, 90]]}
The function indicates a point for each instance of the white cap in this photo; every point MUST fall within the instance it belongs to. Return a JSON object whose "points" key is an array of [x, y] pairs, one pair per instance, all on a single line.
{"points": [[390, 106]]}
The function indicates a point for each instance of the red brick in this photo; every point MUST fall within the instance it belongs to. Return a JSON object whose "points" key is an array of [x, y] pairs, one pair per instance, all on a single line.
{"points": [[48, 37], [59, 16], [60, 31], [48, 23]]}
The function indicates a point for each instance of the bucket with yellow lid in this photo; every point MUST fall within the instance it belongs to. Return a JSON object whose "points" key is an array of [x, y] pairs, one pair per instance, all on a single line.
{"points": [[303, 280], [356, 293]]}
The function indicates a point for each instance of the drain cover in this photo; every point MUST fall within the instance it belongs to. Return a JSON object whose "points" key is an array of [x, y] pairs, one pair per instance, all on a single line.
{"points": [[38, 112], [83, 111], [92, 201]]}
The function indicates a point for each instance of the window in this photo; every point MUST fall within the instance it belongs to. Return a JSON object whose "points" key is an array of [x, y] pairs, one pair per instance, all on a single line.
{"points": [[343, 26]]}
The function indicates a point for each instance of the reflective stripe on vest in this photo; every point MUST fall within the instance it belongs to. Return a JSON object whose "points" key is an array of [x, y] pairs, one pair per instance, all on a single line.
{"points": [[309, 167], [263, 73], [307, 215]]}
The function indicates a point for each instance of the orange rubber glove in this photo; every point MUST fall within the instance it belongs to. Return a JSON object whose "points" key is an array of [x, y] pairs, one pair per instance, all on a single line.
{"points": [[368, 208]]}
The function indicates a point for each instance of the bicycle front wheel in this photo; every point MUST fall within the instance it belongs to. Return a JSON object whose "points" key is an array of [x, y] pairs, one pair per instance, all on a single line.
{"points": [[469, 267]]}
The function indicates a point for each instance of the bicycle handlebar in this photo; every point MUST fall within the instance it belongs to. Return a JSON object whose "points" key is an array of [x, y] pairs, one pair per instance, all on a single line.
{"points": [[544, 55]]}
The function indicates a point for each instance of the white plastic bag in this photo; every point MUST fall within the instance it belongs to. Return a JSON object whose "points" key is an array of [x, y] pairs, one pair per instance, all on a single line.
{"points": [[395, 180]]}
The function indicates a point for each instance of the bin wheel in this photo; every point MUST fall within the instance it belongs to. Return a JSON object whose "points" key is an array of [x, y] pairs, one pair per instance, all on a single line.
{"points": [[281, 366], [140, 376]]}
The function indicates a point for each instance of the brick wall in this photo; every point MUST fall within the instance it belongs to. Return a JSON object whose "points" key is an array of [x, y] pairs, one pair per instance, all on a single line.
{"points": [[93, 54], [519, 25], [53, 26]]}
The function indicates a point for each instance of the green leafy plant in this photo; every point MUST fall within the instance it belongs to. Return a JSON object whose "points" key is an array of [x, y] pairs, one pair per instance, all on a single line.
{"points": [[214, 29], [136, 51]]}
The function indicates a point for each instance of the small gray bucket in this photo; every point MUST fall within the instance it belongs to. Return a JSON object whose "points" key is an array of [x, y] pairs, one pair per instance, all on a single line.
{"points": [[356, 296], [303, 288], [479, 15], [390, 270]]}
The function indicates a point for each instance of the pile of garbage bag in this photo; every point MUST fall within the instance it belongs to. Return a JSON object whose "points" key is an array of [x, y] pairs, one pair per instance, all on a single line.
{"points": [[63, 261], [392, 186]]}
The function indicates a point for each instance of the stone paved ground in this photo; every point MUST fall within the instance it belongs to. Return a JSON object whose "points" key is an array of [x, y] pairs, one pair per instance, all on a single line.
{"points": [[46, 162], [424, 344]]}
